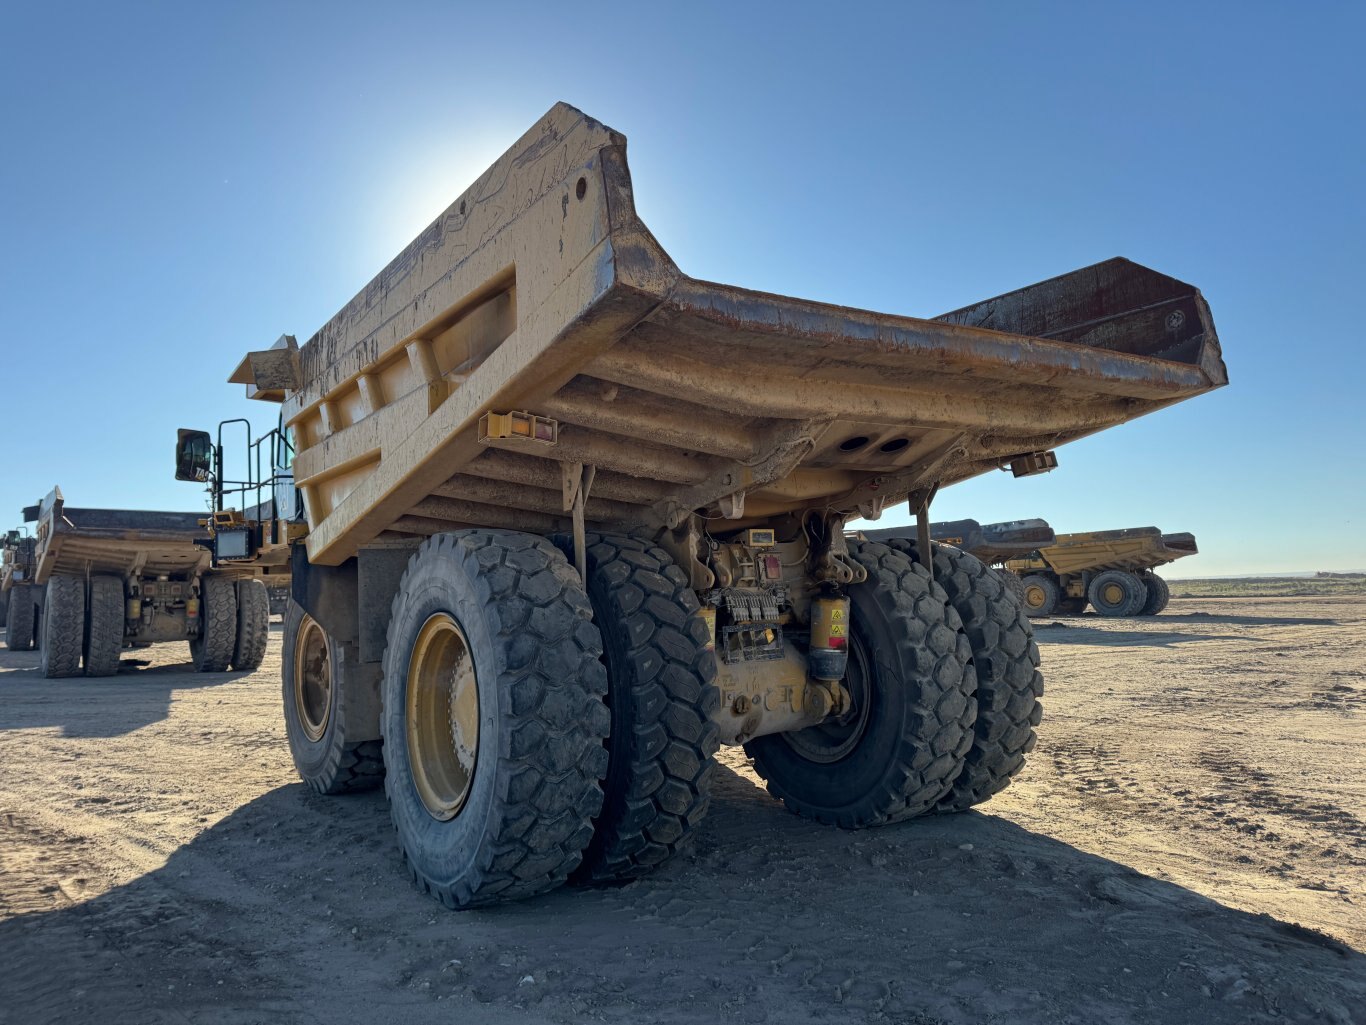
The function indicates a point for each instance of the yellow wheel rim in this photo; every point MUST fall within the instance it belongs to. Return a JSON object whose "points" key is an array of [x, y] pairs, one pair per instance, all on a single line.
{"points": [[312, 678], [442, 716], [1113, 594], [1034, 597]]}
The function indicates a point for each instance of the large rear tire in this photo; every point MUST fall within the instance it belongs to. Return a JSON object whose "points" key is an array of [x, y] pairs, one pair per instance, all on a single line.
{"points": [[212, 648], [331, 709], [253, 625], [904, 740], [1006, 661], [1117, 592], [1041, 595], [63, 627], [20, 618], [494, 717], [104, 626], [1159, 594], [661, 693]]}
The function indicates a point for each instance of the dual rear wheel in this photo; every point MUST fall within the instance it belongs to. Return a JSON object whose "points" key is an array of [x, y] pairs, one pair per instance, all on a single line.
{"points": [[537, 727]]}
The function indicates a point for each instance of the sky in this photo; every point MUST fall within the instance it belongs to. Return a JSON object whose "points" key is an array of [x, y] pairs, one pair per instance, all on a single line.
{"points": [[181, 183]]}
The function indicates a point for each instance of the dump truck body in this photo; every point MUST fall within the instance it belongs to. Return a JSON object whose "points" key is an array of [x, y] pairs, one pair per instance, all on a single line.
{"points": [[993, 543], [533, 379], [118, 577], [1075, 561]]}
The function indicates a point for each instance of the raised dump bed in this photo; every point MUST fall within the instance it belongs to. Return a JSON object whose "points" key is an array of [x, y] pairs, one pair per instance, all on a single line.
{"points": [[1111, 570], [105, 579], [534, 376]]}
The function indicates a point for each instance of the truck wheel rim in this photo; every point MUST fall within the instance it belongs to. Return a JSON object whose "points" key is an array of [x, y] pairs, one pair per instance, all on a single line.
{"points": [[312, 679], [442, 716], [835, 738], [1034, 596], [1113, 594]]}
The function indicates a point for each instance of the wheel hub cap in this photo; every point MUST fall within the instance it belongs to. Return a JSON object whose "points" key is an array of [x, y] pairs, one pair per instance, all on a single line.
{"points": [[312, 679], [442, 716], [1114, 594]]}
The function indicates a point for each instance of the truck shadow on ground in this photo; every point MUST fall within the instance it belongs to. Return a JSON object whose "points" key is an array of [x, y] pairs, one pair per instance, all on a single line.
{"points": [[104, 706], [1075, 632], [294, 908]]}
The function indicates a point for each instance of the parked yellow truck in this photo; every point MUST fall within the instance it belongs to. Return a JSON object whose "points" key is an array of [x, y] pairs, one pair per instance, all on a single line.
{"points": [[20, 598], [572, 519], [106, 579], [1110, 570], [993, 543]]}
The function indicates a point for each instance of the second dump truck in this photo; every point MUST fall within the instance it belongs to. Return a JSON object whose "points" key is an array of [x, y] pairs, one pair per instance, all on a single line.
{"points": [[1110, 570], [991, 543], [105, 579], [571, 519]]}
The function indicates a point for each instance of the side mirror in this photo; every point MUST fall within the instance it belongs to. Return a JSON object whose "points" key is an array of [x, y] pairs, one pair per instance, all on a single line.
{"points": [[193, 455]]}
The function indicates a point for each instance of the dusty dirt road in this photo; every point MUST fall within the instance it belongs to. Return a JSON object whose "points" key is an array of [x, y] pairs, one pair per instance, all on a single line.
{"points": [[1187, 845]]}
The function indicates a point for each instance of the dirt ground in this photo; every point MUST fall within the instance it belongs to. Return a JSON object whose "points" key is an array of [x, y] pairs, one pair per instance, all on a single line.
{"points": [[1188, 844]]}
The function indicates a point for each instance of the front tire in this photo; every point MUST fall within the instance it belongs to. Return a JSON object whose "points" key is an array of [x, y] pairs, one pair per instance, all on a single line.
{"points": [[1006, 661], [63, 627], [662, 694], [211, 649], [494, 718], [331, 702], [1117, 592], [904, 740]]}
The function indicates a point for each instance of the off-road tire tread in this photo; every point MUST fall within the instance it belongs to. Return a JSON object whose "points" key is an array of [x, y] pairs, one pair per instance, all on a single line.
{"points": [[550, 764], [253, 625], [1132, 606], [19, 620], [1013, 584], [1159, 595], [63, 627], [212, 650], [1006, 659], [931, 752], [658, 784], [104, 626], [348, 767]]}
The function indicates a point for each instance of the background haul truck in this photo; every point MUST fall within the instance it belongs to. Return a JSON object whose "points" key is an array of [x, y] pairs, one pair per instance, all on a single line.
{"points": [[20, 598], [992, 543], [1111, 570], [106, 579], [574, 518]]}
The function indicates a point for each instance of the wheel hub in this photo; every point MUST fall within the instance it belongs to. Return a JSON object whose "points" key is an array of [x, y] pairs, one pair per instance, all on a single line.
{"points": [[1113, 594], [1034, 597], [442, 716], [312, 679], [834, 738]]}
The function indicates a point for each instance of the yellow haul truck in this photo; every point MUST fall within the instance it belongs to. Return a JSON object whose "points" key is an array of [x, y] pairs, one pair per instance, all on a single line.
{"points": [[106, 579], [1110, 570], [20, 598], [574, 518]]}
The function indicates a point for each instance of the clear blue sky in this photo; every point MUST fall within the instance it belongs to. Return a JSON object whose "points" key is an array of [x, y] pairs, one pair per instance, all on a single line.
{"points": [[183, 182]]}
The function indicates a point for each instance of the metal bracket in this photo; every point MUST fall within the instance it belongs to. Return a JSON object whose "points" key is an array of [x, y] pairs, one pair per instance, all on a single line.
{"points": [[919, 502], [576, 480]]}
